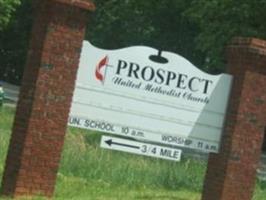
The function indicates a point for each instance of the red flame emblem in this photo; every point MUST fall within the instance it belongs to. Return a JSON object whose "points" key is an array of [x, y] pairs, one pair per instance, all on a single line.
{"points": [[98, 70]]}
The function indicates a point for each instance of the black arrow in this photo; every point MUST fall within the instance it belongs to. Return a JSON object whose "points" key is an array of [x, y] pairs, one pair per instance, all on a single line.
{"points": [[110, 142]]}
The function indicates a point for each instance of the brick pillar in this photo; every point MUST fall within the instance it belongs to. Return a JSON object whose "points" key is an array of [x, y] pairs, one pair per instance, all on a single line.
{"points": [[45, 97], [231, 174]]}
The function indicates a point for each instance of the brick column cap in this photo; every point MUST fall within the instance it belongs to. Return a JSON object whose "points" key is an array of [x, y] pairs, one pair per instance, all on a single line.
{"points": [[83, 4], [248, 44]]}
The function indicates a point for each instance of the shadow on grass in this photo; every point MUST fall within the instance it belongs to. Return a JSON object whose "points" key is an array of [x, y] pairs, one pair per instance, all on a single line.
{"points": [[160, 197], [262, 184]]}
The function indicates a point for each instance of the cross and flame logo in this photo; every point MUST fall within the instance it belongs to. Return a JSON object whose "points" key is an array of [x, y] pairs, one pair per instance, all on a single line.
{"points": [[100, 70]]}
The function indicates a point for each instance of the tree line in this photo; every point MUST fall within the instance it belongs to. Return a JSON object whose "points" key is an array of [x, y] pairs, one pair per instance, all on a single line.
{"points": [[196, 29]]}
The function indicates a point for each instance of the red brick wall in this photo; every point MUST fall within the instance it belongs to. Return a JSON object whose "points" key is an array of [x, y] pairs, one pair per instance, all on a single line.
{"points": [[45, 97], [231, 174]]}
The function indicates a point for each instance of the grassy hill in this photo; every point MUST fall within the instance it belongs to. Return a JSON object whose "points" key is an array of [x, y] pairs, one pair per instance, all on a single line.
{"points": [[89, 172]]}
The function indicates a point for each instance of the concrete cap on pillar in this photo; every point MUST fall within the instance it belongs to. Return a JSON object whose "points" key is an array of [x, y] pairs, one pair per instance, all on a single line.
{"points": [[83, 4], [251, 45]]}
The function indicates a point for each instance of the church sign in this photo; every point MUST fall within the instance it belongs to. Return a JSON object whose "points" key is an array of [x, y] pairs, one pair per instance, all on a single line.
{"points": [[129, 93]]}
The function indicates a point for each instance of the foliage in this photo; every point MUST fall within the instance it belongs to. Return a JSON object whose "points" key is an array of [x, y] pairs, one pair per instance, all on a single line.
{"points": [[159, 24], [220, 21], [196, 29], [14, 43], [7, 7]]}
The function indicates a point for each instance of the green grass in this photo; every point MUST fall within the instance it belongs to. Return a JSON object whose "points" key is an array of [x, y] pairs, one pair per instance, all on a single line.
{"points": [[85, 159], [89, 172], [6, 120], [104, 174]]}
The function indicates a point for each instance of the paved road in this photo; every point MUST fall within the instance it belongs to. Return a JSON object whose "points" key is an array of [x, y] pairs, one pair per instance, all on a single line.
{"points": [[261, 171], [11, 91]]}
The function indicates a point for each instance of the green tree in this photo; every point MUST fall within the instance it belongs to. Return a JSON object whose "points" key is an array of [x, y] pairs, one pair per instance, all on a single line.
{"points": [[220, 21], [7, 7], [159, 24], [196, 29], [14, 43]]}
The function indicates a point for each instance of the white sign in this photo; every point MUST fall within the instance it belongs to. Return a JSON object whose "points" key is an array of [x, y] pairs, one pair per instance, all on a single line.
{"points": [[140, 148], [124, 92]]}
